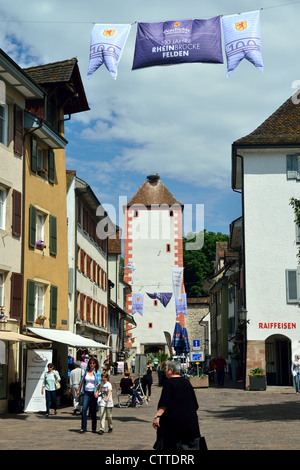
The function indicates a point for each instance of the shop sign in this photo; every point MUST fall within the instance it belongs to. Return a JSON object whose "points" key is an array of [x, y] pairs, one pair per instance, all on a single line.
{"points": [[277, 326]]}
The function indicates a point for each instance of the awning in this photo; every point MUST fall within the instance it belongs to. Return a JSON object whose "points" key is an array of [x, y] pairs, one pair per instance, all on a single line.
{"points": [[17, 337], [67, 337]]}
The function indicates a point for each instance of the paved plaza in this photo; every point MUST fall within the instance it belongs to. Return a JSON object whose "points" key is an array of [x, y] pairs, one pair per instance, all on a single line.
{"points": [[230, 419]]}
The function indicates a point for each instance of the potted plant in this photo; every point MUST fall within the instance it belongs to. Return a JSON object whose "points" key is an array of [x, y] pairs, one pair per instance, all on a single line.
{"points": [[40, 319], [40, 245], [197, 378], [257, 380]]}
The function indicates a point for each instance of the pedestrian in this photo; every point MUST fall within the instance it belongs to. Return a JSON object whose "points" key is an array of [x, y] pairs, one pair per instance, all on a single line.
{"points": [[106, 403], [296, 372], [127, 386], [133, 364], [147, 381], [176, 420], [51, 377], [107, 365], [89, 387], [75, 379], [220, 367], [83, 362]]}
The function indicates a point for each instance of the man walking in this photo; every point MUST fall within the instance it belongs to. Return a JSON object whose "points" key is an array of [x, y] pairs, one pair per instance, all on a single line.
{"points": [[220, 368]]}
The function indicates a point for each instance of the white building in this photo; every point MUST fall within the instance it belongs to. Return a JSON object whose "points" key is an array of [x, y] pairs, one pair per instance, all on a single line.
{"points": [[153, 244], [266, 170]]}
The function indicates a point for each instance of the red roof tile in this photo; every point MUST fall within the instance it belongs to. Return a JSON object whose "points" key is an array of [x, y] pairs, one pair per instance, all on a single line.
{"points": [[153, 191]]}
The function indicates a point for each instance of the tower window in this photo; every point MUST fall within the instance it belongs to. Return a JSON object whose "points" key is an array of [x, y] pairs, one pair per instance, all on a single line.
{"points": [[149, 325], [155, 303], [168, 248], [171, 213]]}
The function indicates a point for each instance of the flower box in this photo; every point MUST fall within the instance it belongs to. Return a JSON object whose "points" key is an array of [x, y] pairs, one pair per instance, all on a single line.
{"points": [[199, 382], [257, 382]]}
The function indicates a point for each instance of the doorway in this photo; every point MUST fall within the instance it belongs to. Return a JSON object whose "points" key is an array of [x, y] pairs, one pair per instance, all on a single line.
{"points": [[278, 360]]}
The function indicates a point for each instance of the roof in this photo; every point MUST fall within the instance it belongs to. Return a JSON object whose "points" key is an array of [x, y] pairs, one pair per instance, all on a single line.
{"points": [[281, 128], [65, 72], [153, 192]]}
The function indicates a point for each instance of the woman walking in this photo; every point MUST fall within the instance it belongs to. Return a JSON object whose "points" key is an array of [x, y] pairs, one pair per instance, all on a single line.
{"points": [[89, 388], [49, 385]]}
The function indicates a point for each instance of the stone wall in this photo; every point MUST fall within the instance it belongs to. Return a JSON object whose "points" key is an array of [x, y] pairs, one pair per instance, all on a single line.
{"points": [[197, 309]]}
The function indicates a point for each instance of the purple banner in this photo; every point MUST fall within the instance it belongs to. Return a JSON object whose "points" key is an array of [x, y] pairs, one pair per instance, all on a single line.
{"points": [[176, 42]]}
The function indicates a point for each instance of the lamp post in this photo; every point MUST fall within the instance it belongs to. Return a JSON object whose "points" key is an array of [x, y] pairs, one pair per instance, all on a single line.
{"points": [[242, 315]]}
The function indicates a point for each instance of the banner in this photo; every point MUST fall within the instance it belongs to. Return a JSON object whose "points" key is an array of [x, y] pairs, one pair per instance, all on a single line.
{"points": [[181, 305], [37, 361], [163, 297], [107, 44], [242, 40], [137, 304], [175, 42], [177, 275], [132, 267]]}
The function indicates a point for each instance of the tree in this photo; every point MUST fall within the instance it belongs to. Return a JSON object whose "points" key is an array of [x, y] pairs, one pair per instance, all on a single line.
{"points": [[199, 264]]}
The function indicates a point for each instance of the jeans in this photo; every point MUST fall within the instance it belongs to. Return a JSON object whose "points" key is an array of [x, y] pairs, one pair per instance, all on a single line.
{"points": [[89, 401], [50, 397], [135, 396], [221, 377], [297, 382]]}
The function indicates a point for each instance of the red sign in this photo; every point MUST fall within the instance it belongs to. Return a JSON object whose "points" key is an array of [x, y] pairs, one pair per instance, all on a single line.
{"points": [[277, 326]]}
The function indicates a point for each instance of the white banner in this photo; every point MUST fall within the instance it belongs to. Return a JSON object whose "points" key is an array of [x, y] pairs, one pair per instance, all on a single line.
{"points": [[107, 44], [242, 40], [177, 274], [37, 361]]}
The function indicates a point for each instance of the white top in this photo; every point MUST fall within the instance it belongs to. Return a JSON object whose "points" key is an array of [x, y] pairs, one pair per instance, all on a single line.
{"points": [[105, 387], [89, 383]]}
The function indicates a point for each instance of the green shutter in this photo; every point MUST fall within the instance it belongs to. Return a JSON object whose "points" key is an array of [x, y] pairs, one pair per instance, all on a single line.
{"points": [[53, 234], [51, 166], [30, 301], [53, 305], [32, 226], [33, 155]]}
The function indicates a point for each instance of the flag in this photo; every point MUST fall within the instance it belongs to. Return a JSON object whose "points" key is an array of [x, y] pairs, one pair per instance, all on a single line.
{"points": [[132, 267], [137, 304], [177, 274], [163, 297], [107, 44], [180, 305], [175, 42], [242, 40]]}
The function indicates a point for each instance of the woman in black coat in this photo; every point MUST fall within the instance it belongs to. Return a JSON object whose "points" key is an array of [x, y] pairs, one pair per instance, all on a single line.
{"points": [[176, 420]]}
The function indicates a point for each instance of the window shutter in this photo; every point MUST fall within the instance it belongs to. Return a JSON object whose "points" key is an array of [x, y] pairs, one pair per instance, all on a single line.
{"points": [[17, 211], [16, 297], [32, 226], [33, 155], [18, 130], [53, 305], [53, 234], [292, 165], [292, 285], [30, 303], [51, 166]]}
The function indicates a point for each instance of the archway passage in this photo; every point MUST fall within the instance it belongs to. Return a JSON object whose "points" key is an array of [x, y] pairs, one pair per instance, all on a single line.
{"points": [[278, 360]]}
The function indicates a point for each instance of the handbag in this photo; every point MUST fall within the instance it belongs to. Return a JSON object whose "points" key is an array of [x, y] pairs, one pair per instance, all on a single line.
{"points": [[57, 385]]}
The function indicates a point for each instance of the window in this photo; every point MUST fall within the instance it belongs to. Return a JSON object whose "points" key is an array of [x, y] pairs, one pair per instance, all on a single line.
{"points": [[2, 208], [150, 325], [293, 166], [3, 123], [40, 223], [155, 303], [42, 161], [39, 307], [168, 248], [292, 286], [2, 289]]}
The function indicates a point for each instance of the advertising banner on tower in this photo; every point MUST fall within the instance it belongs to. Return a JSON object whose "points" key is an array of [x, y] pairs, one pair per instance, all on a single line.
{"points": [[176, 42]]}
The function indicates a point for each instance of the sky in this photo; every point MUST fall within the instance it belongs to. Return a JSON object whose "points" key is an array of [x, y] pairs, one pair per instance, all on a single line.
{"points": [[178, 121]]}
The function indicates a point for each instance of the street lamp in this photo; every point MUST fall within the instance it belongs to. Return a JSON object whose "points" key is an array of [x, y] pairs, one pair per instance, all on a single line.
{"points": [[242, 314]]}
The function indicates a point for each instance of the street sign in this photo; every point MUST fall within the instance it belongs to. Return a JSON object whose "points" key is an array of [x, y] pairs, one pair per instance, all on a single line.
{"points": [[197, 356], [196, 344]]}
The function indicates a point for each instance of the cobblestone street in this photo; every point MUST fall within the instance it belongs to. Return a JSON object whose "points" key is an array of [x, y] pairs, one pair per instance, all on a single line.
{"points": [[230, 419]]}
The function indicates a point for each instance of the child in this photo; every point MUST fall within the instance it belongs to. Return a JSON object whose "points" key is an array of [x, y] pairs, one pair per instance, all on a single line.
{"points": [[106, 403]]}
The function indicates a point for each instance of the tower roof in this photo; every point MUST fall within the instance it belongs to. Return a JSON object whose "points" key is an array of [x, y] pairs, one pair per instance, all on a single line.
{"points": [[153, 191]]}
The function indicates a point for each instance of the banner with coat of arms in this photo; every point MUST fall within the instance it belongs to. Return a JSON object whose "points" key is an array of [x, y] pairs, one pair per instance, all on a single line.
{"points": [[107, 44], [242, 40]]}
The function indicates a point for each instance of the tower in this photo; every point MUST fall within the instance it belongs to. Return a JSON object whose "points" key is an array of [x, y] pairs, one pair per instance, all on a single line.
{"points": [[153, 247]]}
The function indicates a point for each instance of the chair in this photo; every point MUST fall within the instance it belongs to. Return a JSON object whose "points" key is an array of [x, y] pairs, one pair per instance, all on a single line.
{"points": [[124, 399]]}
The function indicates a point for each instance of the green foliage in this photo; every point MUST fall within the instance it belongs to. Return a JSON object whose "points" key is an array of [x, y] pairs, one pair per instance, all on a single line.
{"points": [[199, 264], [256, 371]]}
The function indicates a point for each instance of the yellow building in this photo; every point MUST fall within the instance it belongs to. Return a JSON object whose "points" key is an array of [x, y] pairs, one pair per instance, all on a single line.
{"points": [[45, 242]]}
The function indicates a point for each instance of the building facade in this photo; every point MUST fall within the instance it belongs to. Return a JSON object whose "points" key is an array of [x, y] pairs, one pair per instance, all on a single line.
{"points": [[265, 169], [153, 245]]}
